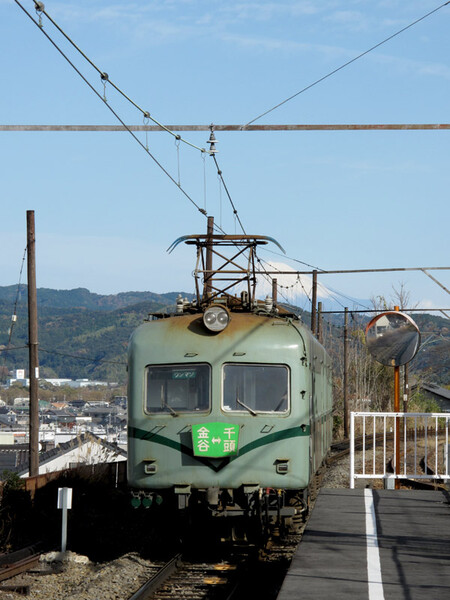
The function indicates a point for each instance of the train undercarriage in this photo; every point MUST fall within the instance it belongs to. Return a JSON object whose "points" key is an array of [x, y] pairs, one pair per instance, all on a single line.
{"points": [[246, 512]]}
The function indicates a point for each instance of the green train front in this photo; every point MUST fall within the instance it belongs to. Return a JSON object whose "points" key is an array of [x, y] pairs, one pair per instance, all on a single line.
{"points": [[237, 420]]}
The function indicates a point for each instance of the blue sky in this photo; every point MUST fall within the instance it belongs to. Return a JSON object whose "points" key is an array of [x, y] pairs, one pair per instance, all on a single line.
{"points": [[105, 213]]}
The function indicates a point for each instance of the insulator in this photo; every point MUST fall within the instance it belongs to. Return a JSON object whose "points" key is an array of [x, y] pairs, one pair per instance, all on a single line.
{"points": [[212, 143]]}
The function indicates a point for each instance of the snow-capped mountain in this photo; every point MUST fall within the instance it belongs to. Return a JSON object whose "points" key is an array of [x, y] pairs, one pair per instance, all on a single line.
{"points": [[296, 290]]}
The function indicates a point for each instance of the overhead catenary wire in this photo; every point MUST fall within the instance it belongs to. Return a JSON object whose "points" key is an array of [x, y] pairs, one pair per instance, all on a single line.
{"points": [[294, 260], [337, 293], [201, 210], [269, 278], [349, 62], [105, 78], [235, 212], [40, 8], [299, 280]]}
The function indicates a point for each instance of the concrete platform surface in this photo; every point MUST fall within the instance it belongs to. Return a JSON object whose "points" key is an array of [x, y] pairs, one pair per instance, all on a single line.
{"points": [[376, 544]]}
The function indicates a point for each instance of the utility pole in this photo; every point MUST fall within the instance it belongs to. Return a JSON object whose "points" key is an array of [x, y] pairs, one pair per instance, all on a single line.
{"points": [[209, 260], [33, 346], [314, 302], [319, 322], [275, 292], [346, 374]]}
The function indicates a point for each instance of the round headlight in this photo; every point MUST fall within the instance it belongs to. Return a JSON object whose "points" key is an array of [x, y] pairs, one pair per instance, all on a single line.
{"points": [[216, 318]]}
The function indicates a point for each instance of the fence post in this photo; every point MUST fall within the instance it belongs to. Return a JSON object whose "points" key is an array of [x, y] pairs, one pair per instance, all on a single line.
{"points": [[352, 450]]}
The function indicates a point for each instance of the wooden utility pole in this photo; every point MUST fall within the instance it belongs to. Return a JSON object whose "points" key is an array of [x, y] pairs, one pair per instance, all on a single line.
{"points": [[275, 291], [33, 346], [346, 374], [319, 322], [314, 302]]}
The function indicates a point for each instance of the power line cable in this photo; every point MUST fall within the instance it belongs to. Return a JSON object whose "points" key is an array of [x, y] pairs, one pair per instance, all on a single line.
{"points": [[319, 285], [103, 99], [12, 348], [293, 259], [40, 9], [336, 292], [235, 212], [268, 277], [14, 316], [308, 87], [84, 358]]}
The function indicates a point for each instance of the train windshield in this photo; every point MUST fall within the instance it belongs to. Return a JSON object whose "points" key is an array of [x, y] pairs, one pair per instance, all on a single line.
{"points": [[255, 388], [178, 388]]}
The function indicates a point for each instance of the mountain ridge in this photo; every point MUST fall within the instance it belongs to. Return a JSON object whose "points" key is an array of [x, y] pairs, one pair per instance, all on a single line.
{"points": [[84, 298], [91, 340]]}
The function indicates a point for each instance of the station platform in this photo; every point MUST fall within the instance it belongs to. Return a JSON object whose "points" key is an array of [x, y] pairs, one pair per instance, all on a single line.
{"points": [[376, 544]]}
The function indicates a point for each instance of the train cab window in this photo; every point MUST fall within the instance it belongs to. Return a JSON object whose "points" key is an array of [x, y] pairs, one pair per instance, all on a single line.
{"points": [[178, 388], [255, 388]]}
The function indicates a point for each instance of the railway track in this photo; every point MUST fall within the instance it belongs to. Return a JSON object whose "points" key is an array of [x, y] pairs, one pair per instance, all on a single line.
{"points": [[158, 579], [15, 563], [19, 561], [239, 573], [245, 572]]}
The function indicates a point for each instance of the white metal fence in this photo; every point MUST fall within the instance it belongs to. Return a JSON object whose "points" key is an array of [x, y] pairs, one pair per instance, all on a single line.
{"points": [[422, 439]]}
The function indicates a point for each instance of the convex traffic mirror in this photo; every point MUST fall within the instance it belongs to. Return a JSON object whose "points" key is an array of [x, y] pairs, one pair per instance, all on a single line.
{"points": [[392, 338]]}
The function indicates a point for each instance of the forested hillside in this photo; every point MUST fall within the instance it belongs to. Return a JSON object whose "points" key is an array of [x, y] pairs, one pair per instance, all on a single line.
{"points": [[86, 335], [80, 334]]}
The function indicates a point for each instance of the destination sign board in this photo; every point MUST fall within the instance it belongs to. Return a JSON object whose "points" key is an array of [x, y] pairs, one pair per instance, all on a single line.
{"points": [[215, 440]]}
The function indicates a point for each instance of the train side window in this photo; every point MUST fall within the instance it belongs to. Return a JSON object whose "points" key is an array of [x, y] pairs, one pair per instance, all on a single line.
{"points": [[255, 388], [178, 388]]}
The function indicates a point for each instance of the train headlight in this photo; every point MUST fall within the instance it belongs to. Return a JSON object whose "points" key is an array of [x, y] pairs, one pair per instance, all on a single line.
{"points": [[216, 318]]}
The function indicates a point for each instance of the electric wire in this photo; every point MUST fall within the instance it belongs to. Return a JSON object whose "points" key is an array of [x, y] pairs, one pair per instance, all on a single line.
{"points": [[336, 292], [89, 359], [298, 280], [220, 175], [293, 259], [269, 278], [17, 298], [201, 210], [12, 348], [279, 287], [105, 78], [328, 289], [308, 87]]}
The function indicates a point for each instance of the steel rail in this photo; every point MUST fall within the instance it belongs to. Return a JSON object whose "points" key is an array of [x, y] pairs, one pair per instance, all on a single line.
{"points": [[19, 566], [158, 579]]}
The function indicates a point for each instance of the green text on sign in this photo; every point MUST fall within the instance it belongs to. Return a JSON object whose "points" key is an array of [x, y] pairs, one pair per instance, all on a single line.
{"points": [[215, 439]]}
